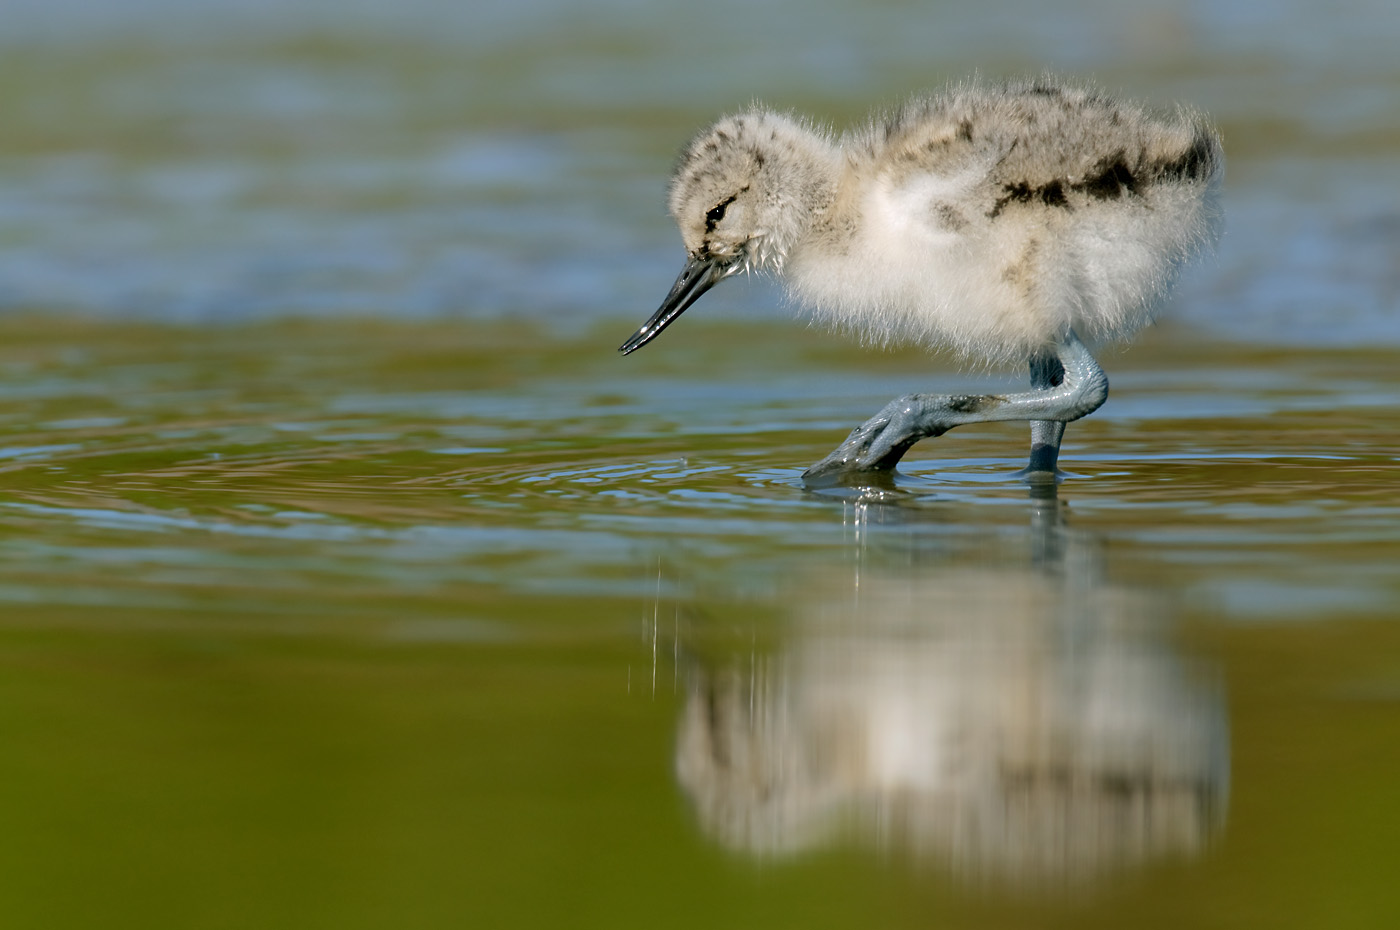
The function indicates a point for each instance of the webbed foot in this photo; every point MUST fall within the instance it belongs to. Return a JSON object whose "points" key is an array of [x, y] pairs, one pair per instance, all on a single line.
{"points": [[877, 445]]}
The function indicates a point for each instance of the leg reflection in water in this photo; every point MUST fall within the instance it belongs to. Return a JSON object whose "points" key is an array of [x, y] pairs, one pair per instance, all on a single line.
{"points": [[1014, 719]]}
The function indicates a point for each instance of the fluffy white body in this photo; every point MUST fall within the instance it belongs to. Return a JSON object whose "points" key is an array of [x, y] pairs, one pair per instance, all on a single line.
{"points": [[986, 219], [1005, 222]]}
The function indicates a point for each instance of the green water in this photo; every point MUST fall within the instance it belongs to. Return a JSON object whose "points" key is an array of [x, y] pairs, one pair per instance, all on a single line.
{"points": [[350, 578], [368, 624]]}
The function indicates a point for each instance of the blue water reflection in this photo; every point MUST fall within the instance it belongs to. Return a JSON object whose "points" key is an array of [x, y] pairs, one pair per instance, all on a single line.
{"points": [[1002, 711]]}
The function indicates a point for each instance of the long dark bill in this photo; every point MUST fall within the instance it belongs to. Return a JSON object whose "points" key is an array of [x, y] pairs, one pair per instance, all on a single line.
{"points": [[698, 276]]}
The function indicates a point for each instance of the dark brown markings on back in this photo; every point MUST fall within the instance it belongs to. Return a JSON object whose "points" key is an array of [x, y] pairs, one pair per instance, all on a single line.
{"points": [[1193, 164], [965, 130], [1020, 192], [1051, 194], [1109, 179]]}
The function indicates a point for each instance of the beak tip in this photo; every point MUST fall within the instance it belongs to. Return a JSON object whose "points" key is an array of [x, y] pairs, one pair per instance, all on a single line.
{"points": [[698, 276]]}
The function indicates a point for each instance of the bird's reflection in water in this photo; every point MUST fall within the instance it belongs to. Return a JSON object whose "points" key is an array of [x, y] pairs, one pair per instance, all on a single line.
{"points": [[1013, 719]]}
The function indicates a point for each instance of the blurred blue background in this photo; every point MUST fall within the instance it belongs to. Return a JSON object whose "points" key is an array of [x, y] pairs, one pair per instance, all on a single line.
{"points": [[235, 159]]}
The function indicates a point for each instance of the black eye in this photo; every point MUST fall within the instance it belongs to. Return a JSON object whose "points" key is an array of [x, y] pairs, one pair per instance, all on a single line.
{"points": [[716, 213]]}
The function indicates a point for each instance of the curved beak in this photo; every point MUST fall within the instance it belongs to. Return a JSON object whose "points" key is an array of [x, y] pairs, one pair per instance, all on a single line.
{"points": [[698, 276]]}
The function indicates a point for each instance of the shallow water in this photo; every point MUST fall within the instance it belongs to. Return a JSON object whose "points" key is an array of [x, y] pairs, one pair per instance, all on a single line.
{"points": [[314, 623], [348, 577]]}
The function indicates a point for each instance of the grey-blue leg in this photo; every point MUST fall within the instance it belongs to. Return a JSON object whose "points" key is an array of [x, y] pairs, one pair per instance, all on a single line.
{"points": [[1068, 384], [1046, 372]]}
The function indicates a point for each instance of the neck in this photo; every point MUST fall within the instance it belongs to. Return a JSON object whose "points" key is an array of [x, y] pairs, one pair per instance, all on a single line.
{"points": [[804, 166]]}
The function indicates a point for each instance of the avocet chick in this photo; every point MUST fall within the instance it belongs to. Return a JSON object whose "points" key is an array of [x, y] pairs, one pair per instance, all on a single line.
{"points": [[1007, 222]]}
